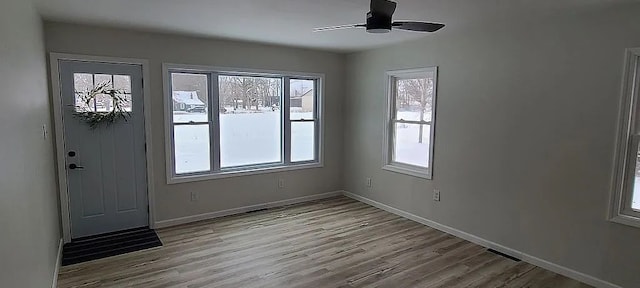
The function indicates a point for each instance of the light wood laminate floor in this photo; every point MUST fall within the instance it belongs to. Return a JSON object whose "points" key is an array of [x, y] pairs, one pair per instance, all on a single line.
{"points": [[337, 242]]}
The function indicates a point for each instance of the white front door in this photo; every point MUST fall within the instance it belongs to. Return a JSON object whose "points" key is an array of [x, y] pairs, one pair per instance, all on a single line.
{"points": [[105, 165]]}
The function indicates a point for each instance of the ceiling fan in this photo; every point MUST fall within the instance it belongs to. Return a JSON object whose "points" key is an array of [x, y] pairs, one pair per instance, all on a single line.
{"points": [[379, 20]]}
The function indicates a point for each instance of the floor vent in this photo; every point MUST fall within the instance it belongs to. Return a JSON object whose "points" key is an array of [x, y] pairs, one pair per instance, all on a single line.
{"points": [[504, 255], [257, 210], [106, 245]]}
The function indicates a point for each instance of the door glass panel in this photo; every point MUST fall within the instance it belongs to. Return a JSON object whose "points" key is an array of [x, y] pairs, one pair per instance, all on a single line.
{"points": [[122, 85], [104, 103], [302, 102], [82, 84], [192, 148], [103, 79], [190, 97]]}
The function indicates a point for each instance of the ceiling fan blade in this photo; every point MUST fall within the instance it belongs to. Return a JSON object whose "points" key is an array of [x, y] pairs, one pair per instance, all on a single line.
{"points": [[383, 7], [339, 27], [417, 26]]}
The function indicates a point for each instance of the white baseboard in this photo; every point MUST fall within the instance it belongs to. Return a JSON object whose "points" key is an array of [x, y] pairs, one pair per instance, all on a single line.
{"points": [[486, 243], [239, 210], [54, 283]]}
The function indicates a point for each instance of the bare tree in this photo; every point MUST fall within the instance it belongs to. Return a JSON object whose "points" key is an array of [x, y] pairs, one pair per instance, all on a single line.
{"points": [[420, 91]]}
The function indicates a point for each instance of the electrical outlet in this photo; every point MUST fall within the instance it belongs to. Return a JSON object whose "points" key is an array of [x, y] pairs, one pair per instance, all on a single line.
{"points": [[369, 182], [280, 183], [436, 195], [194, 196], [45, 133]]}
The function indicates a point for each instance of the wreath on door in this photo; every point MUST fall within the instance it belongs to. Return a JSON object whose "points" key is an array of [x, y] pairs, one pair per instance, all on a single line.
{"points": [[87, 111]]}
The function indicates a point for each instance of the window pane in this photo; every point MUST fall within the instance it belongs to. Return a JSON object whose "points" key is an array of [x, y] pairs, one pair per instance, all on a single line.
{"points": [[103, 79], [190, 97], [414, 99], [635, 198], [302, 102], [104, 103], [83, 83], [191, 148], [411, 144], [250, 121], [122, 85], [302, 141]]}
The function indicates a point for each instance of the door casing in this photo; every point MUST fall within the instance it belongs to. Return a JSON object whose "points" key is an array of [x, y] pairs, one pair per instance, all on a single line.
{"points": [[54, 60]]}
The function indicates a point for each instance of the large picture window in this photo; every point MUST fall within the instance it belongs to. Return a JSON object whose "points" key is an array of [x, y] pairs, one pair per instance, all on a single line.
{"points": [[224, 123], [410, 121]]}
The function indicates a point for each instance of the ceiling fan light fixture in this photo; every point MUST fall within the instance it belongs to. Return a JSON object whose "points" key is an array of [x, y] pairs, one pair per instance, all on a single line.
{"points": [[378, 30]]}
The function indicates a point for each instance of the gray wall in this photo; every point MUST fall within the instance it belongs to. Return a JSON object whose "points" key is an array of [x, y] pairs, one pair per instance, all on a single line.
{"points": [[173, 201], [526, 121], [29, 221]]}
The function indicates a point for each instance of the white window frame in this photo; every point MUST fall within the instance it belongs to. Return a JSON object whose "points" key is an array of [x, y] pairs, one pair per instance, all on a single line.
{"points": [[390, 121], [628, 139], [216, 172]]}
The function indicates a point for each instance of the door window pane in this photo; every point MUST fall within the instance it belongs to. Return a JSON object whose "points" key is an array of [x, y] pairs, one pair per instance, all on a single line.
{"points": [[302, 102], [104, 103], [414, 99], [103, 79], [411, 144], [192, 148], [250, 121], [302, 141], [190, 97], [122, 85], [83, 83]]}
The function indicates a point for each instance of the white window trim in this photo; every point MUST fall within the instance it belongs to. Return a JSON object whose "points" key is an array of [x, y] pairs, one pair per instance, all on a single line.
{"points": [[388, 164], [628, 137], [285, 165]]}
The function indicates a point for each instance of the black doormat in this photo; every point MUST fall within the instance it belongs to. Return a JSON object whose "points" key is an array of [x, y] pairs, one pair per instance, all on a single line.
{"points": [[106, 245]]}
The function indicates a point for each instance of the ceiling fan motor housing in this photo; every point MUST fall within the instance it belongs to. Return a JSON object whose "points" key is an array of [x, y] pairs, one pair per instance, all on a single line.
{"points": [[378, 23]]}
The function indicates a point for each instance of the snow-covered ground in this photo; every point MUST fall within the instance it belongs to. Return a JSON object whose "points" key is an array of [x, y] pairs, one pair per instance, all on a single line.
{"points": [[407, 147], [635, 202], [250, 137], [247, 138]]}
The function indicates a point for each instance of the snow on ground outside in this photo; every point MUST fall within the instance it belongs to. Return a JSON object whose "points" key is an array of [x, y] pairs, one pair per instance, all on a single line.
{"points": [[254, 138], [246, 139], [635, 202], [407, 148]]}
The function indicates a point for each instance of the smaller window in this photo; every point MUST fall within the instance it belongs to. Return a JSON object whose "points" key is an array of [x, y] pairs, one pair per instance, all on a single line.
{"points": [[410, 121], [625, 202]]}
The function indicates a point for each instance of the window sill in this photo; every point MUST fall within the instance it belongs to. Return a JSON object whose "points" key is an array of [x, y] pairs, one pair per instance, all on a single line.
{"points": [[425, 174], [244, 172], [626, 220]]}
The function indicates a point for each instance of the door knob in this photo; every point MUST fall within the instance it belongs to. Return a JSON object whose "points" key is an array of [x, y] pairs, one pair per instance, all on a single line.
{"points": [[74, 166]]}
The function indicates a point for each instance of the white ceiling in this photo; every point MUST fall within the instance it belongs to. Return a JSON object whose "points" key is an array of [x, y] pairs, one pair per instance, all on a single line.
{"points": [[290, 22]]}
